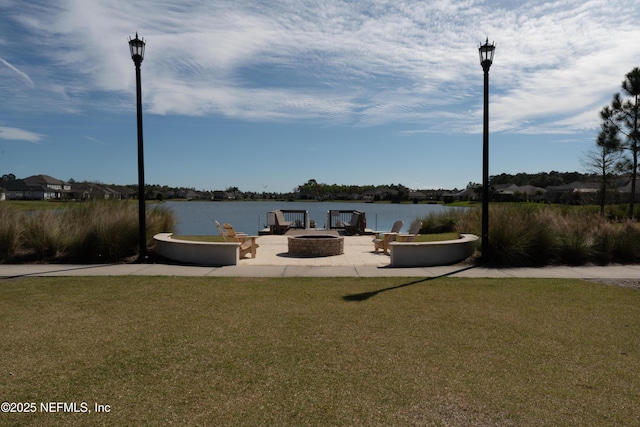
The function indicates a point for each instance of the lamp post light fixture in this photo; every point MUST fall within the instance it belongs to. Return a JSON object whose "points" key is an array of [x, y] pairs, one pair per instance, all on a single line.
{"points": [[486, 59], [137, 54]]}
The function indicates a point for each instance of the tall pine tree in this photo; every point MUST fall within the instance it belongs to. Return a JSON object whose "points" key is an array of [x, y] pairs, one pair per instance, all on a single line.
{"points": [[623, 115], [604, 159]]}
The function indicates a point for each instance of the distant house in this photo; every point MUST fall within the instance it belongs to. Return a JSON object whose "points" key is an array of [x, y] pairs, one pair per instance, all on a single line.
{"points": [[625, 189], [37, 187], [369, 195], [417, 195], [574, 193], [3, 194], [191, 195], [45, 187], [49, 182], [512, 192], [466, 194], [93, 191], [379, 194], [308, 195], [125, 192], [220, 195]]}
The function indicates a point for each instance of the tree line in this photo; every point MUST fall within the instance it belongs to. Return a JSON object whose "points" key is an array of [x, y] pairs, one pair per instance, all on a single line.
{"points": [[541, 179]]}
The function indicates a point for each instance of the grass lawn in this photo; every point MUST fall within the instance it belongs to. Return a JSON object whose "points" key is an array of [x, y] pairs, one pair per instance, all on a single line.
{"points": [[217, 238], [39, 205], [321, 351], [437, 237]]}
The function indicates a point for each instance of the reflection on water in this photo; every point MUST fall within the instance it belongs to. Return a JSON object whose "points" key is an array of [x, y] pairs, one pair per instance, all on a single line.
{"points": [[197, 218]]}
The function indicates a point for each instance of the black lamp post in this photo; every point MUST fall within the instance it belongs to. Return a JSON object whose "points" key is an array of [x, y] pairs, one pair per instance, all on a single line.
{"points": [[486, 59], [137, 54]]}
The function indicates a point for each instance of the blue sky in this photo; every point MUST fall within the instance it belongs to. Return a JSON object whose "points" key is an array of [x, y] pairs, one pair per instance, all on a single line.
{"points": [[265, 95]]}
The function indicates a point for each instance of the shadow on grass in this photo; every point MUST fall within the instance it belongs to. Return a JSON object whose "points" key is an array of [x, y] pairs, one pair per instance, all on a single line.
{"points": [[366, 295], [54, 269]]}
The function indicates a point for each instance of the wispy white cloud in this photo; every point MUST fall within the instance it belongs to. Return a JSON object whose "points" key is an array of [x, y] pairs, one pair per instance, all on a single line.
{"points": [[97, 141], [364, 63], [17, 134], [24, 76]]}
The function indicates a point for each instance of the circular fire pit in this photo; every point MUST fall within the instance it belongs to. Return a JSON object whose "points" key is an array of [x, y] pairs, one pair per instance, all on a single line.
{"points": [[316, 245]]}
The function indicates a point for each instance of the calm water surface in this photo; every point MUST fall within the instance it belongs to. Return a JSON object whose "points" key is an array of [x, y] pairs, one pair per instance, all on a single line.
{"points": [[197, 218]]}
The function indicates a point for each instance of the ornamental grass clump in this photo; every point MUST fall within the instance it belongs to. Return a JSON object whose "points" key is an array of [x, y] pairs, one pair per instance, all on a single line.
{"points": [[626, 243], [109, 231], [560, 236], [468, 221], [118, 235], [80, 236], [41, 232], [89, 232], [436, 223], [584, 238], [522, 235], [605, 236], [160, 220], [10, 229]]}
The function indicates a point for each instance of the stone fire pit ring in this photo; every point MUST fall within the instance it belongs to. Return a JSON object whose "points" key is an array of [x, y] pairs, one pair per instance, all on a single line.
{"points": [[315, 245]]}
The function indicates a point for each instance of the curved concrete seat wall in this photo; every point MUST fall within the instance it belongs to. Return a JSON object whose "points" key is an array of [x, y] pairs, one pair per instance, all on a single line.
{"points": [[427, 254], [201, 253]]}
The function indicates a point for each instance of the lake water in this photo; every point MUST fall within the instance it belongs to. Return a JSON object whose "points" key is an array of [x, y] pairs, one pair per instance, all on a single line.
{"points": [[197, 218]]}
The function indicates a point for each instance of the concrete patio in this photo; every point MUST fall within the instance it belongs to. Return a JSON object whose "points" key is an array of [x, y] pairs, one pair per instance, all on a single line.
{"points": [[358, 250]]}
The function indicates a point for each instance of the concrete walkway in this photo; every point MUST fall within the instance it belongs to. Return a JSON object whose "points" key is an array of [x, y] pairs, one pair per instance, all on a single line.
{"points": [[358, 260]]}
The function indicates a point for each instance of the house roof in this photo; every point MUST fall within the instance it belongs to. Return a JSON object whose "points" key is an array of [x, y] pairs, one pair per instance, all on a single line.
{"points": [[576, 185], [43, 180], [467, 192], [21, 185], [88, 186], [513, 188], [626, 188]]}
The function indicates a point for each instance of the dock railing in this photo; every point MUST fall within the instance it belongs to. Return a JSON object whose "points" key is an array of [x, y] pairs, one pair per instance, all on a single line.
{"points": [[298, 218], [337, 218]]}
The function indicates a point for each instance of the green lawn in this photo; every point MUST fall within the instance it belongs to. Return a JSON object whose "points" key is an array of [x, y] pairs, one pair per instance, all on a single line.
{"points": [[217, 238], [437, 237], [321, 351]]}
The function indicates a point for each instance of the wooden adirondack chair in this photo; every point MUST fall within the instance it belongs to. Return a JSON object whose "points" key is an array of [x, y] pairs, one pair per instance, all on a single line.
{"points": [[222, 232], [225, 234], [382, 239], [281, 226], [412, 233], [354, 226], [248, 244]]}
